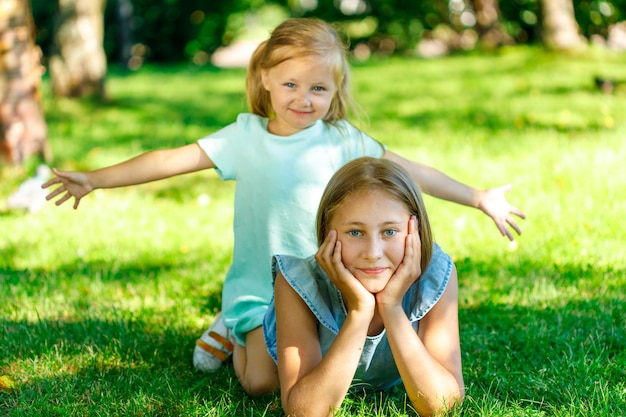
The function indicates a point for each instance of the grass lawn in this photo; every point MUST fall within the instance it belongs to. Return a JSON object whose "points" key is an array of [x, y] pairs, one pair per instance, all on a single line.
{"points": [[100, 307]]}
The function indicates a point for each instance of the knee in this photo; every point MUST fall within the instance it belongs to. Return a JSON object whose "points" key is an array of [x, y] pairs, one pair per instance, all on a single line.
{"points": [[256, 385], [257, 380]]}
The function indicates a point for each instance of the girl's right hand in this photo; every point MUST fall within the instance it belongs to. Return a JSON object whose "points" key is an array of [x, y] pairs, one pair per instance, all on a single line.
{"points": [[73, 184], [356, 297]]}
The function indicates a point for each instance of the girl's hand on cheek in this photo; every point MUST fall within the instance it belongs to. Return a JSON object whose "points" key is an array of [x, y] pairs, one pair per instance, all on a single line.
{"points": [[407, 272], [352, 291]]}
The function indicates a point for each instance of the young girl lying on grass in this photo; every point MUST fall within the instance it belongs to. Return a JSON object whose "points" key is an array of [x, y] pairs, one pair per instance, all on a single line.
{"points": [[376, 305]]}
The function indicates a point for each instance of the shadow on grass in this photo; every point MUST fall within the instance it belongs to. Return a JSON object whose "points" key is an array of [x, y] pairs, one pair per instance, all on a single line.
{"points": [[113, 367], [542, 356], [81, 275], [561, 346], [543, 360], [129, 367]]}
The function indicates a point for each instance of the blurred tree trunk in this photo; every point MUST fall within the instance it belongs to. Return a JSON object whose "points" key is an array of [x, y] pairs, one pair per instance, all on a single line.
{"points": [[488, 24], [125, 21], [78, 67], [559, 29], [23, 130]]}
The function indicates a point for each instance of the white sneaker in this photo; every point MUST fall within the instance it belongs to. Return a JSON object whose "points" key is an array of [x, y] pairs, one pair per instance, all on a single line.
{"points": [[214, 347]]}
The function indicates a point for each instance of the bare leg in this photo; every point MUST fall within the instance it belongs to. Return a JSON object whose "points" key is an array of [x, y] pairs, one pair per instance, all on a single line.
{"points": [[254, 367]]}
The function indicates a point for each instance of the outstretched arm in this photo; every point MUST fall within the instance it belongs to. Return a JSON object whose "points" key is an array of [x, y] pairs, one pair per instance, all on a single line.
{"points": [[492, 202], [147, 167]]}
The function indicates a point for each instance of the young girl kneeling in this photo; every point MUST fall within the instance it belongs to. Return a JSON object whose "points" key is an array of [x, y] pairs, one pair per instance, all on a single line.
{"points": [[375, 306]]}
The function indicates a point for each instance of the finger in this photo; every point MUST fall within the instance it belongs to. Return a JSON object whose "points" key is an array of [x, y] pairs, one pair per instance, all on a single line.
{"points": [[411, 247], [502, 228], [518, 213], [324, 243], [337, 254], [408, 241], [408, 249], [415, 232], [514, 226], [329, 245], [55, 193], [324, 253], [63, 199], [50, 182], [408, 245], [506, 232], [411, 227]]}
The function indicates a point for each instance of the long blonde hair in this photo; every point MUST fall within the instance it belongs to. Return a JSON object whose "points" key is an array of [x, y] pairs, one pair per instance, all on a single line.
{"points": [[295, 38], [365, 174]]}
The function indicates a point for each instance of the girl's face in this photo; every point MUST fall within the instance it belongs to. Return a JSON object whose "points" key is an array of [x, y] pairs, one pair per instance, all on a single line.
{"points": [[301, 90], [372, 228]]}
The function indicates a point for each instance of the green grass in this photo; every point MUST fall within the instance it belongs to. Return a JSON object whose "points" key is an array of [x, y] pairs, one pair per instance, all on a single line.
{"points": [[100, 307]]}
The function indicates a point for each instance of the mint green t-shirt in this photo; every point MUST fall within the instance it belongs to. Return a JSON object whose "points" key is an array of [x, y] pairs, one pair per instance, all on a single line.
{"points": [[279, 183]]}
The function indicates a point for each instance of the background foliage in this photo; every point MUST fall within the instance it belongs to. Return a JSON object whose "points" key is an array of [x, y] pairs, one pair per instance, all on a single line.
{"points": [[177, 30]]}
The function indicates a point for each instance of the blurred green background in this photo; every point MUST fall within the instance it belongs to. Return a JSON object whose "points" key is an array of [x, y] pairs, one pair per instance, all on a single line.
{"points": [[179, 30]]}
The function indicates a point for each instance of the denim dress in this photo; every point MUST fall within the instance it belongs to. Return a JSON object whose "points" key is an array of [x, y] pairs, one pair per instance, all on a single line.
{"points": [[377, 369]]}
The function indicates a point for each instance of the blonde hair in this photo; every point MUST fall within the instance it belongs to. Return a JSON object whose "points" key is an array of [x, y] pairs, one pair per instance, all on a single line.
{"points": [[295, 38], [366, 174]]}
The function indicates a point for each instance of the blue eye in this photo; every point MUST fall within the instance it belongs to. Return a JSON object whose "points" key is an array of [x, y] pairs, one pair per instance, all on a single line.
{"points": [[290, 85], [319, 89], [354, 233], [390, 232]]}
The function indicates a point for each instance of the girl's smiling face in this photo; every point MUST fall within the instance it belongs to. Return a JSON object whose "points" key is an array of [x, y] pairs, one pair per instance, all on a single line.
{"points": [[301, 90], [372, 228]]}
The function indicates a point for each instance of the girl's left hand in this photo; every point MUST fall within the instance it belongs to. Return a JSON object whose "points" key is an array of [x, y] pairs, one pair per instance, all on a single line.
{"points": [[494, 204], [407, 272]]}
